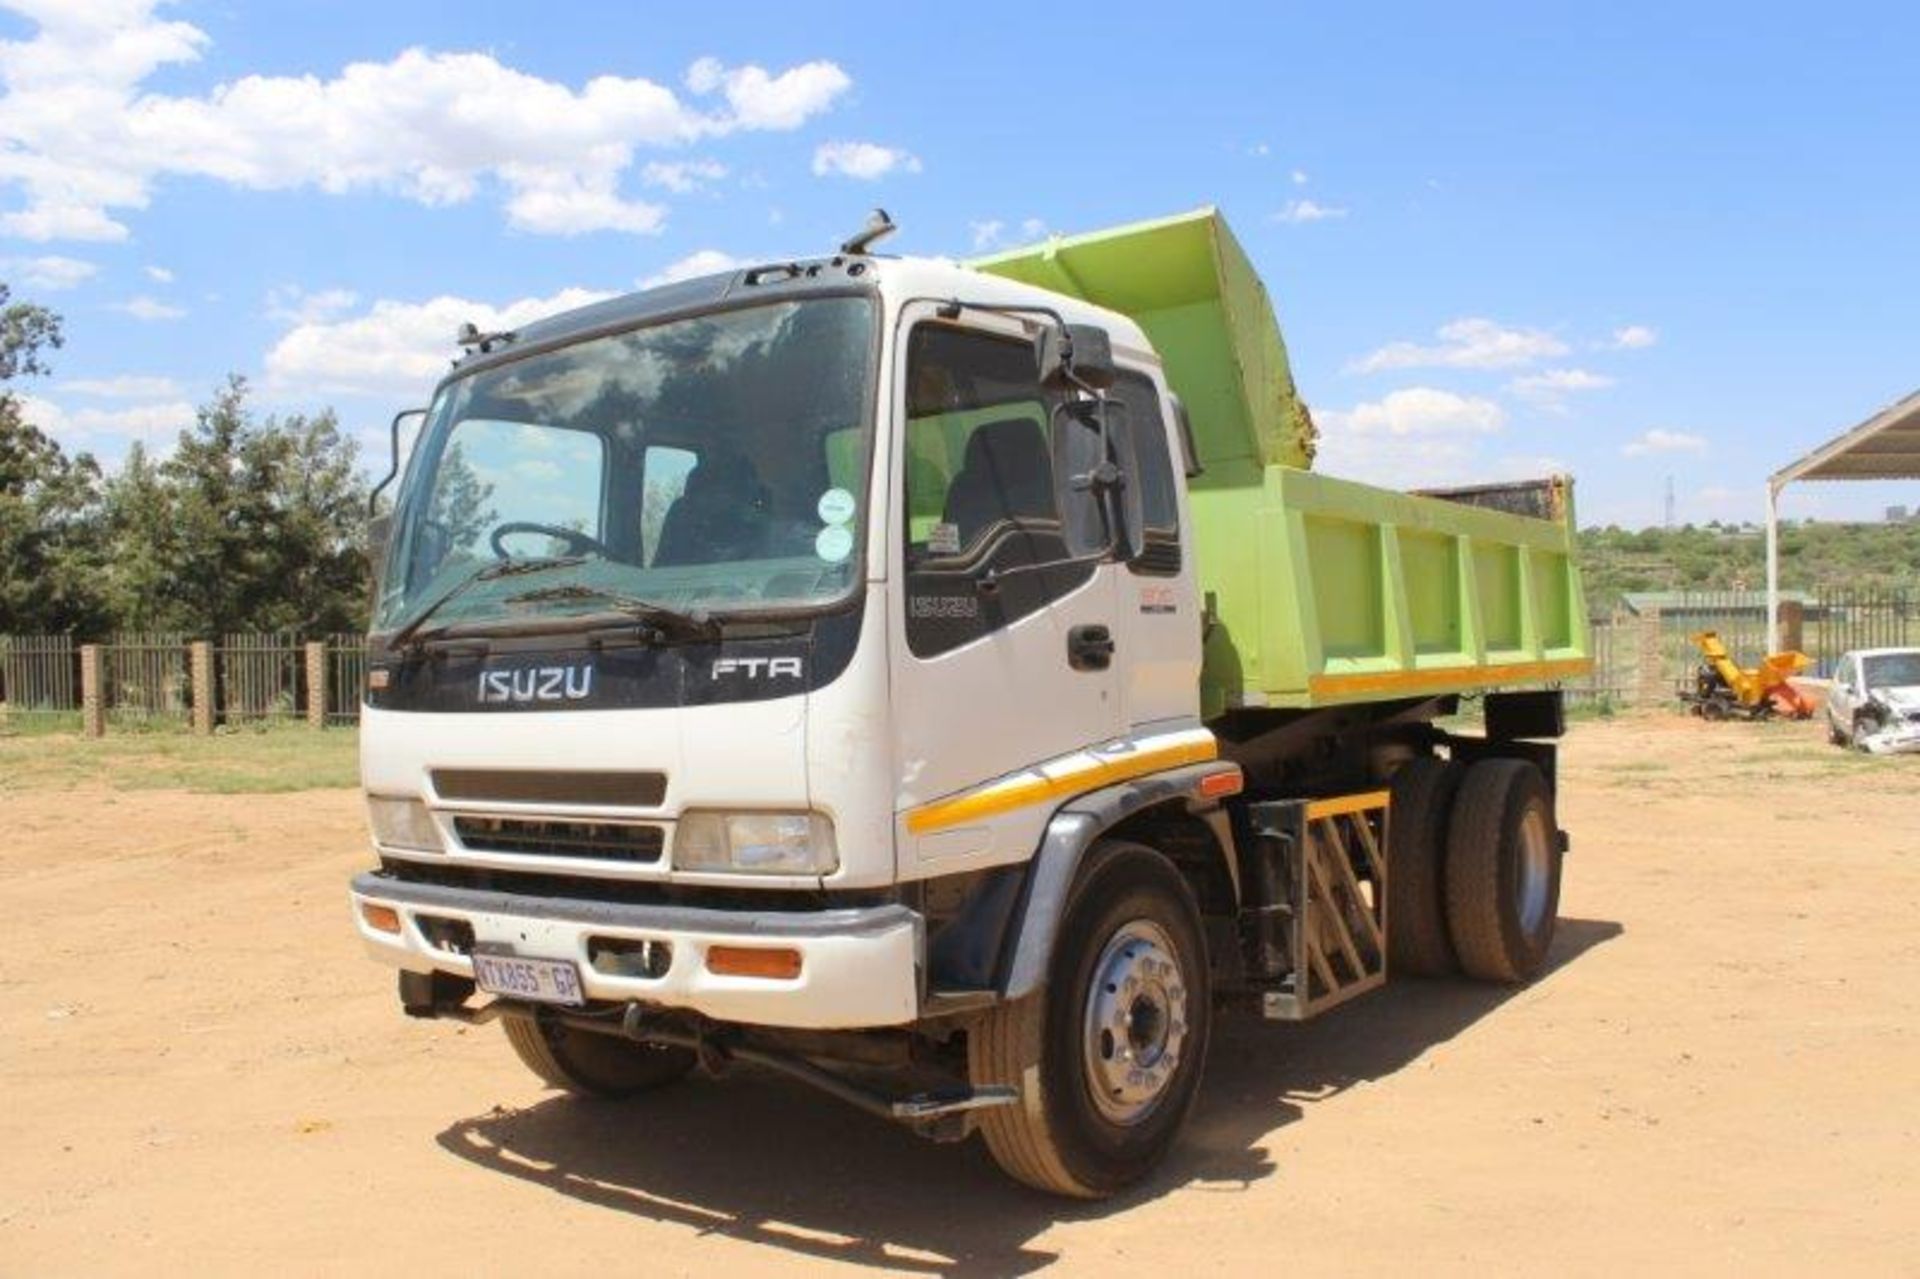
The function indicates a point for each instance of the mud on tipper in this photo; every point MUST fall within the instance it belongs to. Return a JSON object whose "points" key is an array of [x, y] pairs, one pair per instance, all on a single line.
{"points": [[946, 684]]}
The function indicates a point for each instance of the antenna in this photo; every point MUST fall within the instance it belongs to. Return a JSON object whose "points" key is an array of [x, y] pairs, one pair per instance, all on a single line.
{"points": [[1670, 502], [878, 226]]}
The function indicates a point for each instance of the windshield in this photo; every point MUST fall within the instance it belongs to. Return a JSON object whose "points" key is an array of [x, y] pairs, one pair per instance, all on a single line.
{"points": [[714, 463], [1892, 670]]}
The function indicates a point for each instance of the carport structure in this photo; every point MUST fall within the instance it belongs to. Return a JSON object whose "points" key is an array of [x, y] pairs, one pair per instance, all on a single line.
{"points": [[1884, 447]]}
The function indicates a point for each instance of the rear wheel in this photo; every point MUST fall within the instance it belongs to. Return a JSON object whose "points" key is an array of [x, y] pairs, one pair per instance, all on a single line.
{"points": [[1417, 941], [1108, 1055], [1503, 871], [593, 1065]]}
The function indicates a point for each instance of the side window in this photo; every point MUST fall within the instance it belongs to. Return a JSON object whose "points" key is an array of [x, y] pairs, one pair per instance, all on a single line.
{"points": [[1159, 500], [980, 488], [978, 457], [663, 471]]}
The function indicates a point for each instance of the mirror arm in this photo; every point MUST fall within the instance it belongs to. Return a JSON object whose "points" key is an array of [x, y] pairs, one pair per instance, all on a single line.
{"points": [[393, 454]]}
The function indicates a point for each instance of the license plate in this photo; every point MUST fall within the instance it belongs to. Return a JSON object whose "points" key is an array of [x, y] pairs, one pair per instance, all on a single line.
{"points": [[543, 981]]}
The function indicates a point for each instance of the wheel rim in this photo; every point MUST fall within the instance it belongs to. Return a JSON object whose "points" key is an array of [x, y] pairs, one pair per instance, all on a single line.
{"points": [[1136, 1024], [1535, 870]]}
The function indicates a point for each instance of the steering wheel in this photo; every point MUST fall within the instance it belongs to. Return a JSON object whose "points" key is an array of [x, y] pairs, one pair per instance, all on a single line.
{"points": [[578, 543]]}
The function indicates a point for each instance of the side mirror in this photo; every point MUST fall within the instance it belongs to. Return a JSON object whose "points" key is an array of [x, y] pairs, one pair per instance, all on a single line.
{"points": [[1075, 355], [379, 533]]}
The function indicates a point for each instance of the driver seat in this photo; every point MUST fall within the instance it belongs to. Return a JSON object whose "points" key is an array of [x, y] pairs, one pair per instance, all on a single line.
{"points": [[720, 515]]}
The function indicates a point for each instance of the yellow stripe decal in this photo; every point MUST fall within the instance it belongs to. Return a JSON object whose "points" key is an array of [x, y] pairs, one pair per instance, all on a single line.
{"points": [[1034, 787], [1445, 679], [1336, 805]]}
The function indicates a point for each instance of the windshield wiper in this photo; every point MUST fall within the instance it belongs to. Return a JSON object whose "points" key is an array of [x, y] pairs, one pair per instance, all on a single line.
{"points": [[694, 623], [487, 573]]}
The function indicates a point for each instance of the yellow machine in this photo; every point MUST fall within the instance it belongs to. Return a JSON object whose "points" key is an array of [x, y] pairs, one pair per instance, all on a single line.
{"points": [[1723, 689]]}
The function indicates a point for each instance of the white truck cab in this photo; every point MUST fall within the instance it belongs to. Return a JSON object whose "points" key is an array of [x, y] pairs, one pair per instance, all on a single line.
{"points": [[803, 665]]}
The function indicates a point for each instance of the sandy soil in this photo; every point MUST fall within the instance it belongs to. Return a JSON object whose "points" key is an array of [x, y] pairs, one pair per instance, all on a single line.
{"points": [[201, 1073]]}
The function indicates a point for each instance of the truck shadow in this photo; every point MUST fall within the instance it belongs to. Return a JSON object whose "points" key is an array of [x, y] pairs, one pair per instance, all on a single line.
{"points": [[757, 1158]]}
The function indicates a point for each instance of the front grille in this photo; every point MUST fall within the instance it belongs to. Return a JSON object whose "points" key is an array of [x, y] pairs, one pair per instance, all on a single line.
{"points": [[529, 786], [601, 841]]}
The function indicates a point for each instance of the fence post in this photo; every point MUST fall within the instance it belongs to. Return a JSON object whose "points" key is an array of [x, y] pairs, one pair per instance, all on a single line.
{"points": [[1793, 625], [200, 658], [93, 699], [316, 685], [1650, 682]]}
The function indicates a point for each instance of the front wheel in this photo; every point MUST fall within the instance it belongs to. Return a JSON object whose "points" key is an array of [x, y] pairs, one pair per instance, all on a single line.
{"points": [[1107, 1057], [593, 1065]]}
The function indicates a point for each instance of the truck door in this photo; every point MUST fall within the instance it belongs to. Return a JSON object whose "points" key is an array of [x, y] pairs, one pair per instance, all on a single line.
{"points": [[1159, 616], [999, 663]]}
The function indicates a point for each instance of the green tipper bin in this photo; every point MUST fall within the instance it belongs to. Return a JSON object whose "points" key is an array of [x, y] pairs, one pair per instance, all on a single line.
{"points": [[1318, 590]]}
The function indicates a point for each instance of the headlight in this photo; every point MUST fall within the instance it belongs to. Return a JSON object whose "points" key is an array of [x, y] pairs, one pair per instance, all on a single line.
{"points": [[402, 823], [767, 843]]}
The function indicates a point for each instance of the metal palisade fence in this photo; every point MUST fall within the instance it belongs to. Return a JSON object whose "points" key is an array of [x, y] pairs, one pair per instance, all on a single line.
{"points": [[162, 679], [1642, 651]]}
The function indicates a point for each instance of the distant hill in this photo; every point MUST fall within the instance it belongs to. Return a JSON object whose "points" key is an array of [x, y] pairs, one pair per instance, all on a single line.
{"points": [[1716, 557]]}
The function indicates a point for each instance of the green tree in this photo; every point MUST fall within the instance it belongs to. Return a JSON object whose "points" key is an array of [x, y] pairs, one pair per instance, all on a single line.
{"points": [[49, 503], [267, 522], [143, 551]]}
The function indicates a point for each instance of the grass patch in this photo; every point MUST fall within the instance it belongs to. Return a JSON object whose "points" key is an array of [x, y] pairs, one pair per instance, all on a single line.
{"points": [[268, 759]]}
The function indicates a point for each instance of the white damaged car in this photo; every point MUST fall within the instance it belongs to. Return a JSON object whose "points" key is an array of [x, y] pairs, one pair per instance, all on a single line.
{"points": [[1874, 704]]}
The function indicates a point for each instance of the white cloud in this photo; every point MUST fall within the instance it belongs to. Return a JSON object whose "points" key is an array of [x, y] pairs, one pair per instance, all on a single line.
{"points": [[560, 203], [1659, 441], [1550, 388], [1259, 150], [51, 273], [84, 139], [1632, 337], [1303, 210], [125, 386], [1413, 437], [291, 304], [158, 274], [759, 100], [867, 161], [1470, 343], [395, 348], [682, 176], [1416, 410], [992, 233], [1299, 177], [142, 307], [696, 264], [91, 427]]}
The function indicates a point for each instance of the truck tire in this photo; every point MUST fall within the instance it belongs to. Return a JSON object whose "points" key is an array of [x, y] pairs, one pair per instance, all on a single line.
{"points": [[1107, 1056], [593, 1065], [1417, 940], [1503, 871]]}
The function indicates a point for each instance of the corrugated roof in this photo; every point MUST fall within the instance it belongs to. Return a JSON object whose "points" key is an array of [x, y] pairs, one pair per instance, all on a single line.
{"points": [[1884, 447], [1706, 601]]}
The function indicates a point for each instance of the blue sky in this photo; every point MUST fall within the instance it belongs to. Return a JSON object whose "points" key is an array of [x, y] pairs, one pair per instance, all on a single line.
{"points": [[1633, 241]]}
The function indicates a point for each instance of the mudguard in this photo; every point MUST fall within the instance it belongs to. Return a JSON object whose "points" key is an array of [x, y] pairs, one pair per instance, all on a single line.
{"points": [[1073, 830]]}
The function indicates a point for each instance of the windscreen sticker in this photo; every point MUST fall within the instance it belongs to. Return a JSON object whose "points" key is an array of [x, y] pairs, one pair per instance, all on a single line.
{"points": [[836, 506], [834, 543], [943, 539]]}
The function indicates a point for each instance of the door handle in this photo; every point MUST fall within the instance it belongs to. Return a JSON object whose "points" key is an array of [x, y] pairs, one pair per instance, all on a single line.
{"points": [[1090, 647]]}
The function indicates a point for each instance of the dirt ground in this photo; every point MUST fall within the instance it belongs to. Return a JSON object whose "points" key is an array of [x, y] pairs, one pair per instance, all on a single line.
{"points": [[1721, 1073]]}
